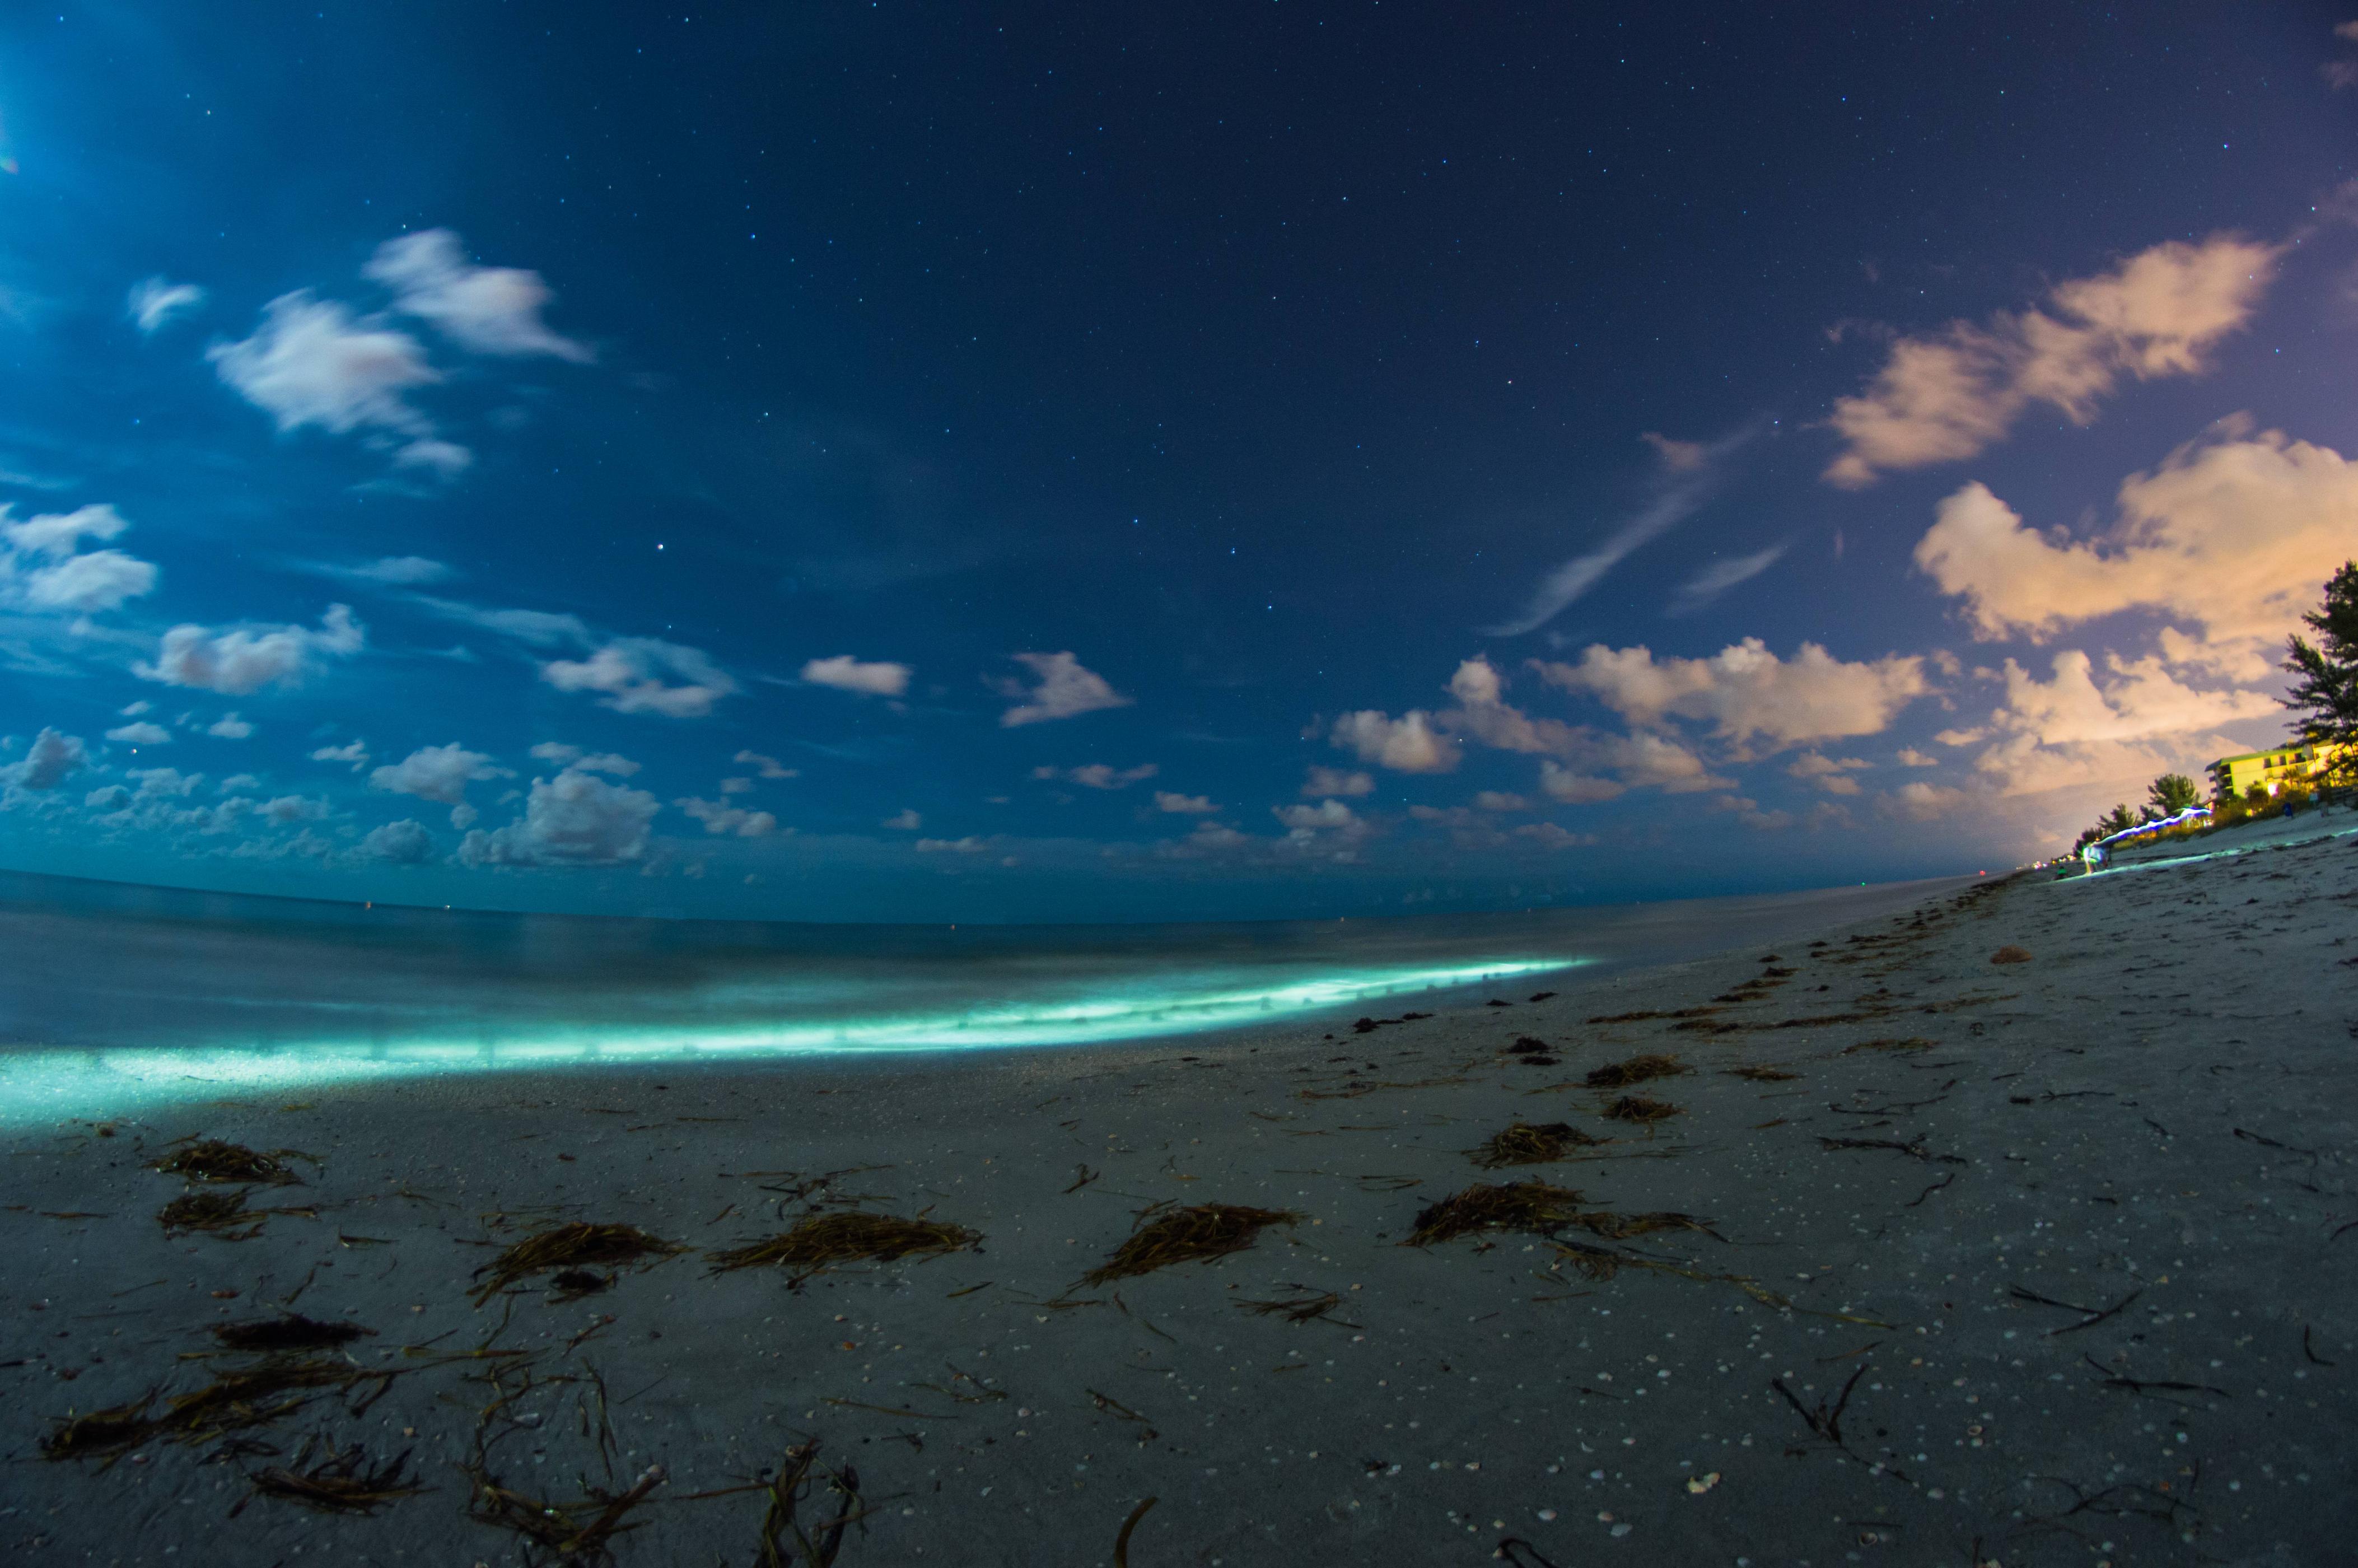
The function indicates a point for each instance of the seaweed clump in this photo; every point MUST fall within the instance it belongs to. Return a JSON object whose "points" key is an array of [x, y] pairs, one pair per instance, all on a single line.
{"points": [[1525, 1143], [1762, 1075], [1636, 1070], [219, 1161], [344, 1482], [1539, 1207], [290, 1331], [822, 1240], [1644, 1110], [1199, 1233], [570, 1246], [101, 1434]]}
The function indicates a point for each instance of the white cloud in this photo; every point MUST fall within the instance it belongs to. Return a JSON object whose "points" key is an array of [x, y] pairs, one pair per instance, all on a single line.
{"points": [[1909, 757], [905, 820], [402, 843], [719, 817], [236, 782], [235, 663], [1748, 812], [1327, 815], [1099, 775], [395, 571], [573, 819], [153, 302], [1407, 745], [1690, 481], [736, 786], [541, 628], [768, 767], [1717, 579], [1560, 782], [312, 363], [1065, 690], [229, 727], [1920, 801], [845, 673], [1747, 693], [2235, 534], [629, 673], [2075, 729], [1952, 394], [439, 773], [1829, 774], [1184, 805], [43, 567], [448, 460], [1345, 783], [1498, 800], [555, 753], [52, 759], [165, 784], [141, 733], [292, 808], [133, 710], [1551, 837], [487, 310], [352, 751], [969, 845]]}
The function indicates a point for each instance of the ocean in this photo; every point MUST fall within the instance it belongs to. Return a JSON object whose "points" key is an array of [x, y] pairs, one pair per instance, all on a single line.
{"points": [[116, 999]]}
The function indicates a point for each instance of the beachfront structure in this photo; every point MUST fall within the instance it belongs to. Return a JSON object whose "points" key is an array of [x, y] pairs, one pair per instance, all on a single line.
{"points": [[2231, 777]]}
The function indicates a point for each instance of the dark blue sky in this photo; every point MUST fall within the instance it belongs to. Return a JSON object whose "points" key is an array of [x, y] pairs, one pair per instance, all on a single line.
{"points": [[954, 462]]}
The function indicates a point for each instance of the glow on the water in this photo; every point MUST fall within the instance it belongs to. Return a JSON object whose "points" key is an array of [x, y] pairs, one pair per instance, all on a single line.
{"points": [[39, 1084]]}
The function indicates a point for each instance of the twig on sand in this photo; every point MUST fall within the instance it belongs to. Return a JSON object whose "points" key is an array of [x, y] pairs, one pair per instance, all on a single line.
{"points": [[1121, 1541], [1914, 1151], [2091, 1315]]}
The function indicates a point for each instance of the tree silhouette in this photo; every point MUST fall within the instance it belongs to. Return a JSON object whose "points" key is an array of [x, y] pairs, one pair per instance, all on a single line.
{"points": [[2326, 692], [2171, 793]]}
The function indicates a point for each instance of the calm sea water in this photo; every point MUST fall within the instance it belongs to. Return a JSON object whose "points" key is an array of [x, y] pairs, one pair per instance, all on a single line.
{"points": [[113, 997]]}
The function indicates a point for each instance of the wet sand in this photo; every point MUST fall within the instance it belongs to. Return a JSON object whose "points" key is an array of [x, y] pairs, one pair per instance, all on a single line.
{"points": [[2036, 1263]]}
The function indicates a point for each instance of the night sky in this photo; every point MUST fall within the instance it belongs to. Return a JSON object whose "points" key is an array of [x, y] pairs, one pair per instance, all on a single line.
{"points": [[969, 463]]}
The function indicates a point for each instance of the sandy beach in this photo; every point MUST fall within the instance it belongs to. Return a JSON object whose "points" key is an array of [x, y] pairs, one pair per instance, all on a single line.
{"points": [[1920, 1259]]}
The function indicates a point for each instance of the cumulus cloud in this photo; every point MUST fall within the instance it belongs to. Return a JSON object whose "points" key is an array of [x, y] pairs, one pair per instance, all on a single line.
{"points": [[1184, 805], [154, 301], [2077, 728], [845, 673], [229, 727], [1408, 744], [240, 661], [573, 819], [564, 756], [1829, 773], [1717, 579], [1498, 800], [2231, 535], [768, 767], [1348, 784], [541, 628], [1064, 688], [311, 361], [1689, 478], [1549, 835], [719, 817], [287, 809], [1327, 815], [141, 733], [1955, 393], [644, 674], [1747, 811], [402, 843], [1099, 775], [355, 752], [439, 773], [165, 784], [1909, 757], [44, 567], [969, 845], [235, 782], [486, 310], [393, 571], [905, 820], [448, 460], [52, 759], [1920, 802], [1747, 693]]}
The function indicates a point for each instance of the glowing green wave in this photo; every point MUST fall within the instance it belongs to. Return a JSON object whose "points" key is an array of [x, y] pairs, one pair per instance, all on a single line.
{"points": [[43, 1084]]}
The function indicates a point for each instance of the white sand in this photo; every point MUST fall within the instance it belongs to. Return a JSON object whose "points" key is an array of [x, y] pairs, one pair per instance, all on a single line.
{"points": [[2151, 1114]]}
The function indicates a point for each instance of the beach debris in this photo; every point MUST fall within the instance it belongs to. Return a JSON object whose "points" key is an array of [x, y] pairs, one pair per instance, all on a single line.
{"points": [[1636, 1070], [570, 1246], [1642, 1108], [1121, 1541], [1199, 1232], [219, 1214], [1644, 1014], [2089, 1316], [1541, 996], [288, 1331], [1300, 1309], [1112, 1406], [784, 1540], [1521, 1553], [820, 1241], [219, 1161], [1762, 1075], [1540, 1208], [101, 1434], [1369, 1025], [1914, 1151], [342, 1482], [572, 1284], [1698, 1484], [251, 1395], [1908, 1043], [2010, 954], [1525, 1045], [1528, 1143], [573, 1533]]}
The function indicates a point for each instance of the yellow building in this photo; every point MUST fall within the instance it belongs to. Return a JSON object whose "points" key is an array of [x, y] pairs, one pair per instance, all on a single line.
{"points": [[2231, 777]]}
